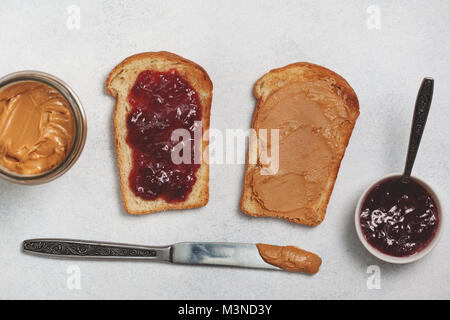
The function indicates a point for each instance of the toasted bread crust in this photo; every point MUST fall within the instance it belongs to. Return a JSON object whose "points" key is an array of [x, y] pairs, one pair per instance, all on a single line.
{"points": [[267, 85], [118, 84]]}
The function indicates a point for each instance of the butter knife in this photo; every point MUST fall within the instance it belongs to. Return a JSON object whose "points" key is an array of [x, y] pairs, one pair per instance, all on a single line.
{"points": [[194, 253]]}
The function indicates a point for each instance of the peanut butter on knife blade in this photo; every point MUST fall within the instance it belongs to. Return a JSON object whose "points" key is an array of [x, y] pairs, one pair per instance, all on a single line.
{"points": [[290, 258]]}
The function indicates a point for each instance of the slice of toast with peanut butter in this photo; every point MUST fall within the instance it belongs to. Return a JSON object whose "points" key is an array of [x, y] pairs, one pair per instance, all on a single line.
{"points": [[314, 110]]}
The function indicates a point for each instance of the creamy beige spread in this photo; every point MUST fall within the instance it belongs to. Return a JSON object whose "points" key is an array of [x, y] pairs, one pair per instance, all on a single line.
{"points": [[36, 127], [307, 116], [290, 258]]}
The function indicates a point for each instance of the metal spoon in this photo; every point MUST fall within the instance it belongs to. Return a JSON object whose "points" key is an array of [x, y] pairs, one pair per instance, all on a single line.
{"points": [[423, 104]]}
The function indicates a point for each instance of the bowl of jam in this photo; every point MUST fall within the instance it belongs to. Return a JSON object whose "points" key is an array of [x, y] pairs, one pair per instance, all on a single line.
{"points": [[397, 221]]}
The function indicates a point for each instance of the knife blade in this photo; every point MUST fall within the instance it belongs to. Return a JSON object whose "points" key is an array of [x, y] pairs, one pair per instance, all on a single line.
{"points": [[191, 253]]}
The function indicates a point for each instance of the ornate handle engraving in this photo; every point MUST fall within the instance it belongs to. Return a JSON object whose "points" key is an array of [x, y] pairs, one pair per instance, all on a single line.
{"points": [[69, 248], [421, 111]]}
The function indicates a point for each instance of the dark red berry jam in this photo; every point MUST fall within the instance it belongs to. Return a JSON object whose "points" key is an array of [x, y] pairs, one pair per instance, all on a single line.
{"points": [[398, 218], [161, 103]]}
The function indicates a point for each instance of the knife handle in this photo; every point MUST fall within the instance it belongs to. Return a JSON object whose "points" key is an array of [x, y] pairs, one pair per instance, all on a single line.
{"points": [[96, 250]]}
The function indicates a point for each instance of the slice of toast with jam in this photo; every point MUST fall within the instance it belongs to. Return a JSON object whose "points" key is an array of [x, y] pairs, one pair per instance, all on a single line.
{"points": [[158, 93]]}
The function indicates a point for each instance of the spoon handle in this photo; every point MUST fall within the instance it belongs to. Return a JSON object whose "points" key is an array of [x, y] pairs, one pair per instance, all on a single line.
{"points": [[423, 104]]}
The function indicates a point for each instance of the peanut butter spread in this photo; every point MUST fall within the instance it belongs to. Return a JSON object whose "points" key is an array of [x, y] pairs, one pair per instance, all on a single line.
{"points": [[290, 258], [308, 116], [36, 127]]}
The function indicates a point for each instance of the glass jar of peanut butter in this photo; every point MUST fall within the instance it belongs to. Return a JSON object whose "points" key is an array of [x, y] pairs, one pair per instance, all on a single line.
{"points": [[42, 127]]}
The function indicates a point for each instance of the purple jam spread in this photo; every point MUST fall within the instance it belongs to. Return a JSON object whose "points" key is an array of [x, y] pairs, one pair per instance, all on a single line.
{"points": [[161, 103], [398, 218]]}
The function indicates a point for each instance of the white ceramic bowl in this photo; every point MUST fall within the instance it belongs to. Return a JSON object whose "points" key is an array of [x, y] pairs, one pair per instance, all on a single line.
{"points": [[388, 258]]}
